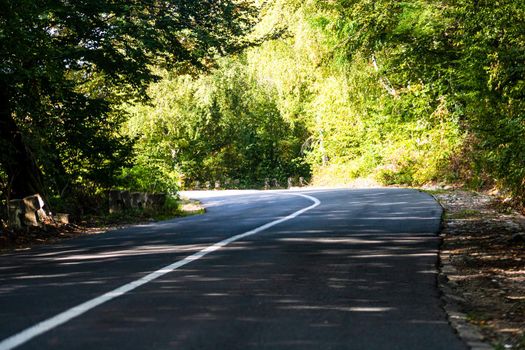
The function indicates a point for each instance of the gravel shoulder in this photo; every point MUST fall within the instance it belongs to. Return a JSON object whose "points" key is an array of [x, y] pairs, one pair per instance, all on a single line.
{"points": [[483, 269]]}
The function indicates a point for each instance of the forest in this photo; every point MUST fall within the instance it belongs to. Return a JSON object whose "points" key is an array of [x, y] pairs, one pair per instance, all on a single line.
{"points": [[158, 95]]}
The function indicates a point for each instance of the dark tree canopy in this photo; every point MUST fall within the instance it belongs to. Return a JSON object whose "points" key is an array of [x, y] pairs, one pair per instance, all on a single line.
{"points": [[63, 64]]}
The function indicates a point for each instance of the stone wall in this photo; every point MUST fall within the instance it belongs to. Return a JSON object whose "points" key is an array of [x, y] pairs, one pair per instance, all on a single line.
{"points": [[30, 212]]}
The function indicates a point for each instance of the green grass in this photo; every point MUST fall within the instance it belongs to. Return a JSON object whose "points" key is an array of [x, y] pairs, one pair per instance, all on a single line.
{"points": [[436, 191], [464, 214]]}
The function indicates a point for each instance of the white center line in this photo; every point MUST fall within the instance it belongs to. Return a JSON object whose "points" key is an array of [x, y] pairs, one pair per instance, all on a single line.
{"points": [[55, 321]]}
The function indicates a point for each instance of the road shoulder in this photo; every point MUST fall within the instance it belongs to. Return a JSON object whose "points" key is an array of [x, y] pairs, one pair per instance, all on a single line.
{"points": [[482, 272], [11, 240]]}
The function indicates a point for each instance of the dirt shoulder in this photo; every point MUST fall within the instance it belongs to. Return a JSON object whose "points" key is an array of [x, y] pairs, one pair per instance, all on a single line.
{"points": [[483, 265], [11, 240]]}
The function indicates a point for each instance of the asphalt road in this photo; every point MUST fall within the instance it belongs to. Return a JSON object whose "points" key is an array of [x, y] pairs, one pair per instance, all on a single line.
{"points": [[340, 269]]}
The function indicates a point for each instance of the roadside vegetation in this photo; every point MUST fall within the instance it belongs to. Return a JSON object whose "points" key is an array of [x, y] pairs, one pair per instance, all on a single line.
{"points": [[155, 96]]}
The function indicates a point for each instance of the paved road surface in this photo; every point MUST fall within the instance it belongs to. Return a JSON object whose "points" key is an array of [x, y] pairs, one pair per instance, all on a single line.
{"points": [[344, 269]]}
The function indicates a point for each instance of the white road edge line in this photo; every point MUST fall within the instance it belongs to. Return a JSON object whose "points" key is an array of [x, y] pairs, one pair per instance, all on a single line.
{"points": [[55, 321]]}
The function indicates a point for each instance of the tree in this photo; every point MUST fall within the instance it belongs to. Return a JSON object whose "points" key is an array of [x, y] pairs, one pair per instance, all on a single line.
{"points": [[224, 125], [368, 77], [64, 64]]}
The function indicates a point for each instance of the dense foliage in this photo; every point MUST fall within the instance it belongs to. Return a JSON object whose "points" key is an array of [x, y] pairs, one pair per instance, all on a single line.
{"points": [[65, 67], [404, 92], [225, 126]]}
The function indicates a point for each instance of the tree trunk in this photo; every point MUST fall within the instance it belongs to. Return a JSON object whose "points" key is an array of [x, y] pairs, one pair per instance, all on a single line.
{"points": [[24, 176]]}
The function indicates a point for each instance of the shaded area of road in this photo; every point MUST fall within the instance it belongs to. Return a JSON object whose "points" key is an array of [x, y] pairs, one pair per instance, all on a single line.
{"points": [[358, 272]]}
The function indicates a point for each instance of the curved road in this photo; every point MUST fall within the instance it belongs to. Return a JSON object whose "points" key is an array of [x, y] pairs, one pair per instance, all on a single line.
{"points": [[325, 269]]}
